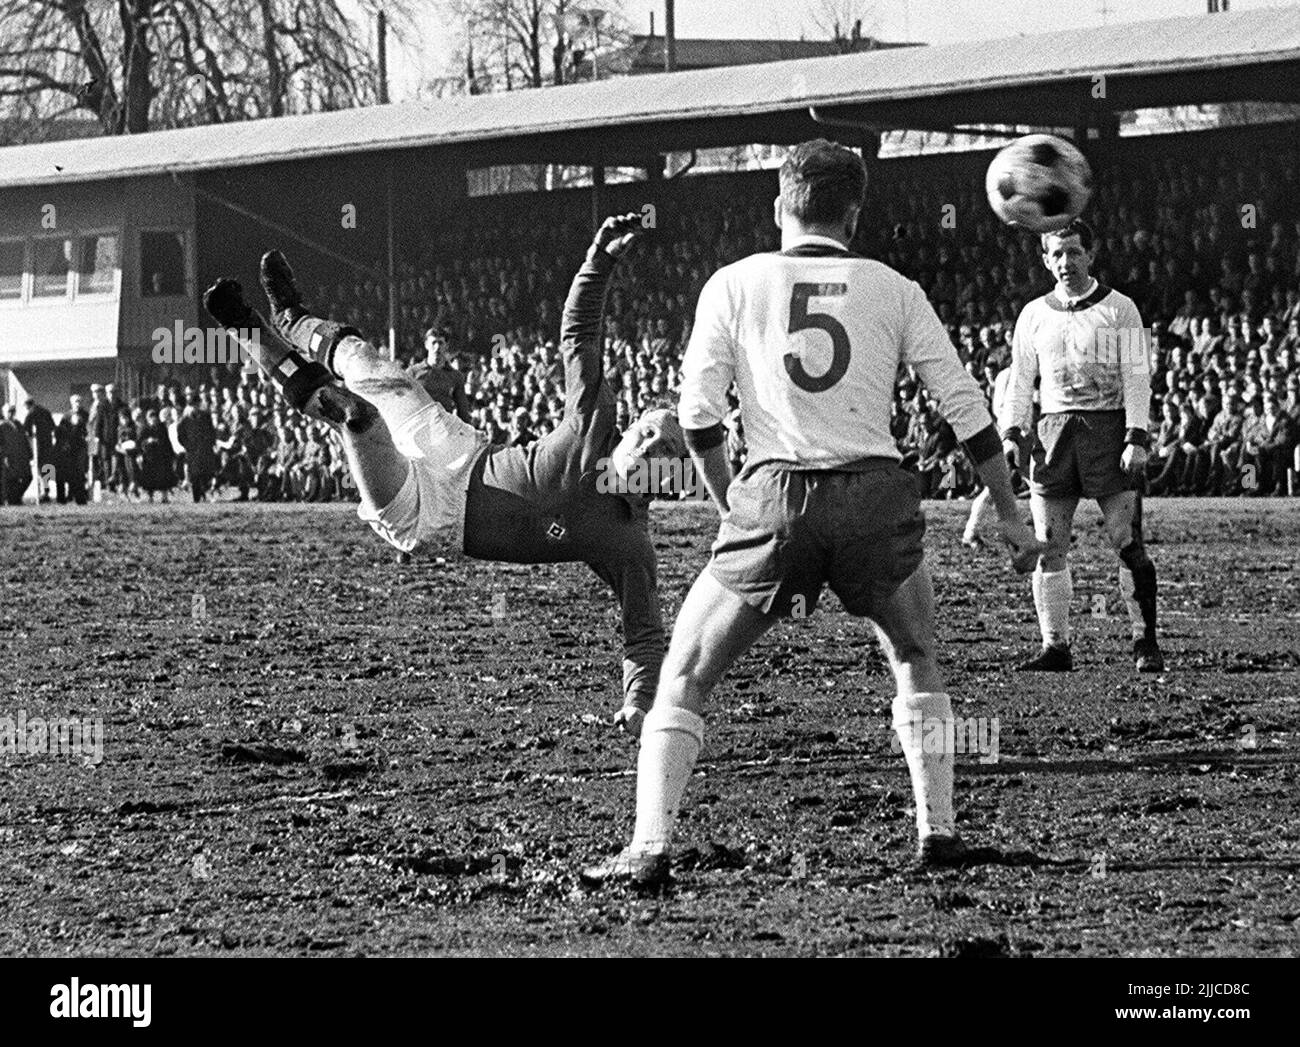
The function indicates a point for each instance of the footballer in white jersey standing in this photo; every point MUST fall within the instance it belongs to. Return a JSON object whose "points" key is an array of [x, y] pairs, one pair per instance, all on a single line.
{"points": [[813, 337], [1087, 345]]}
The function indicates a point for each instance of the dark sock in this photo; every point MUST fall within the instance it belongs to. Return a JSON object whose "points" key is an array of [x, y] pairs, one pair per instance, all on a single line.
{"points": [[1144, 584]]}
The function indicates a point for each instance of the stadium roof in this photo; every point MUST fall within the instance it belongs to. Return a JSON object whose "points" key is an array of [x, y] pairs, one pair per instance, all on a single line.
{"points": [[1046, 79], [646, 53]]}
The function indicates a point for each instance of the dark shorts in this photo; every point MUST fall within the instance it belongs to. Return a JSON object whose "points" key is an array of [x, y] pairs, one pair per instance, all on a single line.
{"points": [[1078, 454], [789, 532], [540, 504]]}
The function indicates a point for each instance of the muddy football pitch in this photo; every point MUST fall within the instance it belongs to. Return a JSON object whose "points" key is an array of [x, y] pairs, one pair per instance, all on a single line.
{"points": [[309, 748]]}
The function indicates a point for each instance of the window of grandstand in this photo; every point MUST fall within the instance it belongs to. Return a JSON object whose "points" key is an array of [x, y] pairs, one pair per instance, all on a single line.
{"points": [[12, 256], [162, 264], [97, 264], [537, 178], [51, 264]]}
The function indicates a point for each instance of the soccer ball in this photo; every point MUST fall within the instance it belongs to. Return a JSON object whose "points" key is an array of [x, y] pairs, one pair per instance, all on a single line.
{"points": [[1039, 182]]}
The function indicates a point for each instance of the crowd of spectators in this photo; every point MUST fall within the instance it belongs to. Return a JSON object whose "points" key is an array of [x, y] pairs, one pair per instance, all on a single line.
{"points": [[1204, 238], [236, 440]]}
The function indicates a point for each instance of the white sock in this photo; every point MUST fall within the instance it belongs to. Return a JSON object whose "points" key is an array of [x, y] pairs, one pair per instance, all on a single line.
{"points": [[400, 400], [980, 510], [1053, 591], [670, 742], [1128, 589], [924, 726]]}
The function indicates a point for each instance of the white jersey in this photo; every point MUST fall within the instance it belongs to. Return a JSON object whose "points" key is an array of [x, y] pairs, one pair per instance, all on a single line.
{"points": [[1091, 352], [813, 338]]}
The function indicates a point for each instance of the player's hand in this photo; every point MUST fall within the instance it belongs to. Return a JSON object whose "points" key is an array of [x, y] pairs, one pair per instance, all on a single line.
{"points": [[1134, 460], [1025, 545], [617, 232], [629, 720], [1011, 452]]}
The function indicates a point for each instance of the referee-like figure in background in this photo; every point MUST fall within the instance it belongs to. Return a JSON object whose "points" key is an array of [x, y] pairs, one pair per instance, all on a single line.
{"points": [[445, 384], [1087, 345]]}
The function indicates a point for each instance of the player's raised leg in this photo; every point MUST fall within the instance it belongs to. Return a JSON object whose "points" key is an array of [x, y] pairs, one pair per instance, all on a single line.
{"points": [[412, 503], [714, 627], [402, 402], [1137, 576], [1052, 585], [378, 468]]}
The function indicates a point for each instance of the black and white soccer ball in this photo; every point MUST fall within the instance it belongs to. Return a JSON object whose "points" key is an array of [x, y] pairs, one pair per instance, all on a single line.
{"points": [[1039, 183]]}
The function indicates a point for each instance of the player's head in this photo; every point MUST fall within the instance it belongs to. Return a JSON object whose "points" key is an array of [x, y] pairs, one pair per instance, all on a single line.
{"points": [[435, 344], [823, 186], [1069, 253], [655, 434]]}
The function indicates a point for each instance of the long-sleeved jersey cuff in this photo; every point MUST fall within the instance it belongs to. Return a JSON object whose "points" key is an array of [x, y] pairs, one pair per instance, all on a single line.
{"points": [[983, 445], [600, 259], [700, 440]]}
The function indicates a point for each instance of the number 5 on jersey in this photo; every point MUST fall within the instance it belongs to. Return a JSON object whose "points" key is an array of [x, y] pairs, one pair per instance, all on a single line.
{"points": [[801, 319]]}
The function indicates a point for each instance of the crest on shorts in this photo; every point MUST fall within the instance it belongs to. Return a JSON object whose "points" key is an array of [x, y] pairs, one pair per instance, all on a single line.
{"points": [[556, 531]]}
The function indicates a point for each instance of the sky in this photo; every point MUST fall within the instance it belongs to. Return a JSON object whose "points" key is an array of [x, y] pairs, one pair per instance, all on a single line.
{"points": [[429, 53]]}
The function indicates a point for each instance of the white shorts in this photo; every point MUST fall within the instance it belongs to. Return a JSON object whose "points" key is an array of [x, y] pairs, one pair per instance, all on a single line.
{"points": [[440, 451]]}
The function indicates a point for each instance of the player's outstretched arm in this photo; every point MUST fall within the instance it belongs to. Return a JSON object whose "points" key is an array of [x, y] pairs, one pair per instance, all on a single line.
{"points": [[632, 576], [580, 324]]}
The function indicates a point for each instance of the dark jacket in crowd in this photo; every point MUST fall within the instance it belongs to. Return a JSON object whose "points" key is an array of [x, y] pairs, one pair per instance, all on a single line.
{"points": [[157, 461], [39, 426], [71, 457], [197, 435]]}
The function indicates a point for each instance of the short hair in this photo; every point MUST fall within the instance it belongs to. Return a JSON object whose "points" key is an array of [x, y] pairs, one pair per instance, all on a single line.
{"points": [[1077, 227], [821, 182]]}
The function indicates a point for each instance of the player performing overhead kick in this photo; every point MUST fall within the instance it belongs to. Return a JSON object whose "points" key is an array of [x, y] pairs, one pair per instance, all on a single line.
{"points": [[813, 336], [428, 478], [1087, 343]]}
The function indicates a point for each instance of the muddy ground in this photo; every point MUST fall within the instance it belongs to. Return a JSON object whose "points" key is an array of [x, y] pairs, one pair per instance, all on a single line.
{"points": [[311, 749]]}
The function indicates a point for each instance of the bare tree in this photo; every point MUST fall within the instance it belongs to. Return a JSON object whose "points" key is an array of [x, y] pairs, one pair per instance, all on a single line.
{"points": [[139, 65], [513, 44], [846, 22]]}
